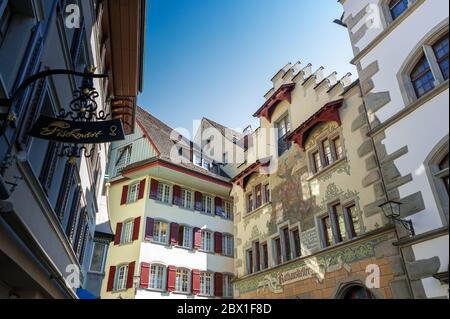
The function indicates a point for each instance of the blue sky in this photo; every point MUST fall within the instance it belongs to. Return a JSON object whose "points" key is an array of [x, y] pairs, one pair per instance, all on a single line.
{"points": [[215, 58]]}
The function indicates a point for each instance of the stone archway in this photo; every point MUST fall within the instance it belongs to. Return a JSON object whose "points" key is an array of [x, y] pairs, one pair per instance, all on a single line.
{"points": [[356, 292]]}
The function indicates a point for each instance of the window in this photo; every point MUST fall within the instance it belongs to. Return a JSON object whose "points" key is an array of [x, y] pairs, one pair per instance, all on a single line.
{"points": [[277, 251], [422, 77], [227, 245], [121, 278], [206, 165], [317, 162], [185, 236], [123, 158], [5, 18], [284, 127], [207, 204], [296, 242], [197, 160], [157, 277], [257, 249], [338, 148], [441, 52], [327, 231], [225, 158], [258, 196], [133, 193], [227, 286], [228, 209], [397, 7], [327, 152], [186, 198], [249, 203], [267, 198], [342, 224], [127, 233], [182, 282], [160, 232], [443, 174], [98, 257], [430, 70], [207, 241], [264, 256], [205, 284], [163, 193], [249, 256], [287, 243]]}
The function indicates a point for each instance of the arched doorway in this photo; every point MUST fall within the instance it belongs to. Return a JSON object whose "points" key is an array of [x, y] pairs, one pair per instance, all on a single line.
{"points": [[357, 292]]}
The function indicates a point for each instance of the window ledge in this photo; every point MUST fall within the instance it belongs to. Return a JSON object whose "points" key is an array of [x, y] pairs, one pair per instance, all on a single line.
{"points": [[181, 293], [327, 169], [260, 208], [190, 249], [154, 290], [167, 245]]}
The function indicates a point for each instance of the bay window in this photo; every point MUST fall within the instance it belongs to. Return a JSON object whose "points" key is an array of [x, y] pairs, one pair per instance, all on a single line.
{"points": [[157, 277]]}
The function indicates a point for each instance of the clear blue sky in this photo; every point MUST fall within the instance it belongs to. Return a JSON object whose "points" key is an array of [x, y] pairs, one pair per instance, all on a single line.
{"points": [[215, 58]]}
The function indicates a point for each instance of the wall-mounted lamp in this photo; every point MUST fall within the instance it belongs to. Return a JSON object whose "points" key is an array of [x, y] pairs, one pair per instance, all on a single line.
{"points": [[391, 210]]}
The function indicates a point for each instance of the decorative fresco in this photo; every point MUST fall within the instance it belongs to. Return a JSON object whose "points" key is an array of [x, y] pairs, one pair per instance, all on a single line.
{"points": [[313, 267]]}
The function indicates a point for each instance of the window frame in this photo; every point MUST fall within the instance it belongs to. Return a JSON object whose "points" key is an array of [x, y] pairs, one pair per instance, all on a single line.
{"points": [[133, 193], [227, 285], [158, 223], [162, 281], [228, 210], [164, 193], [103, 260], [117, 277], [250, 202], [423, 48], [205, 241], [228, 245], [190, 231], [286, 120], [203, 284], [124, 240], [391, 5], [188, 274], [185, 203], [205, 200]]}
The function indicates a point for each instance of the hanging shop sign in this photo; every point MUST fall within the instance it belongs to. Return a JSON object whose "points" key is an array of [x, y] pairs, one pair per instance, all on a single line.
{"points": [[76, 132]]}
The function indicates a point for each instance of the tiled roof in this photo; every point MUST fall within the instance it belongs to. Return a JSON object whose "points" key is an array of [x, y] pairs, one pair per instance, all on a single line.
{"points": [[160, 134], [224, 130]]}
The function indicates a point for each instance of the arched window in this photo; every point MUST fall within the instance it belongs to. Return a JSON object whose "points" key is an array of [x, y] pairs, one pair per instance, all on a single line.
{"points": [[422, 77], [427, 67], [440, 49], [397, 7], [437, 167]]}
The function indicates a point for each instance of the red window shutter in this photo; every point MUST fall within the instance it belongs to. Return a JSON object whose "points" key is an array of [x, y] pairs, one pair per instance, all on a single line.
{"points": [[218, 205], [218, 243], [171, 278], [149, 228], [118, 234], [154, 189], [130, 276], [145, 275], [218, 284], [136, 228], [176, 195], [198, 201], [195, 281], [111, 276], [141, 189], [174, 233], [197, 238], [123, 201]]}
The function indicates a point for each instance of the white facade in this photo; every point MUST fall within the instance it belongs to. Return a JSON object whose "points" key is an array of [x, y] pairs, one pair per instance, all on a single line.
{"points": [[411, 127]]}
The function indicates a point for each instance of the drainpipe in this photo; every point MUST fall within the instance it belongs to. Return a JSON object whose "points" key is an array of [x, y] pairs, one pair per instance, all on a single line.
{"points": [[383, 183]]}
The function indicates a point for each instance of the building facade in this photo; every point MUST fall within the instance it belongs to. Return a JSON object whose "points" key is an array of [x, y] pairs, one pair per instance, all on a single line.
{"points": [[402, 56], [50, 204], [307, 222], [172, 217]]}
